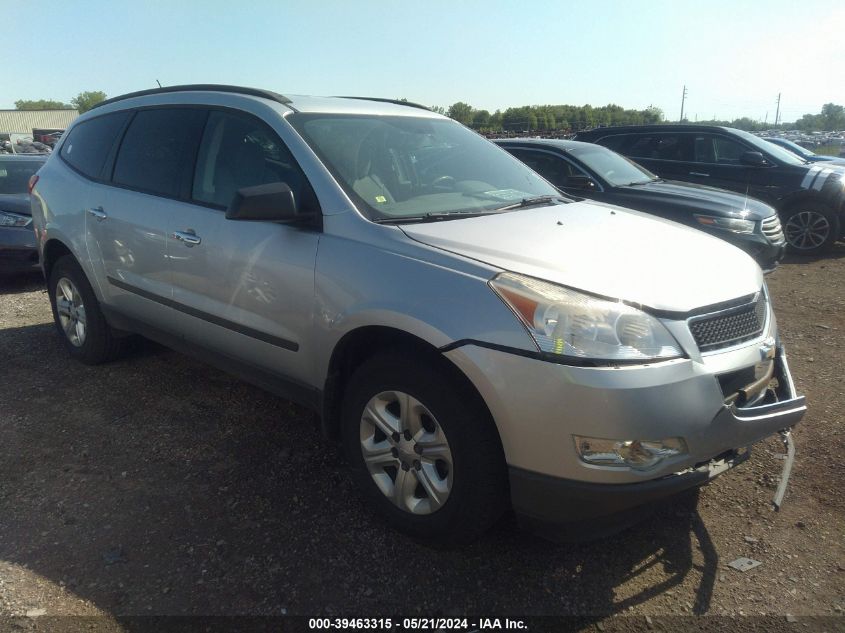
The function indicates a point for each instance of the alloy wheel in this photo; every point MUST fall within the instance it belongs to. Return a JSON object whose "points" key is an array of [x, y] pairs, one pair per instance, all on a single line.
{"points": [[807, 230]]}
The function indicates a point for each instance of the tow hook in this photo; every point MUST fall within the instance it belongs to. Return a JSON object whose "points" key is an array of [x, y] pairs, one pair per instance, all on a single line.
{"points": [[786, 438]]}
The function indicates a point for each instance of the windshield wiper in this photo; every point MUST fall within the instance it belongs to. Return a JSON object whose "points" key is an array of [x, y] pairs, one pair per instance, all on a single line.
{"points": [[532, 202], [435, 216]]}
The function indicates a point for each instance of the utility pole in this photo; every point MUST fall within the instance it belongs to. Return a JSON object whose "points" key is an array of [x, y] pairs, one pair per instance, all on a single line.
{"points": [[777, 113], [683, 98]]}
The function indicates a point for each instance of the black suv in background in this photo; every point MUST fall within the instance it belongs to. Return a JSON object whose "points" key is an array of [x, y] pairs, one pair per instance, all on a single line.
{"points": [[810, 198], [595, 172]]}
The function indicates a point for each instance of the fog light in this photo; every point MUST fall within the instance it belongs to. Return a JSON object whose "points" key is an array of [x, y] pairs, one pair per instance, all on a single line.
{"points": [[636, 454]]}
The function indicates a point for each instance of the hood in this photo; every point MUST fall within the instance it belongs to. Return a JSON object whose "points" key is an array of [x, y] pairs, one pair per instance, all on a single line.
{"points": [[604, 250], [16, 203], [699, 198], [826, 178], [828, 160]]}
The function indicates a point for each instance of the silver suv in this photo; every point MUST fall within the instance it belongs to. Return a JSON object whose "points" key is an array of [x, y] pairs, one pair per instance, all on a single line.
{"points": [[474, 339]]}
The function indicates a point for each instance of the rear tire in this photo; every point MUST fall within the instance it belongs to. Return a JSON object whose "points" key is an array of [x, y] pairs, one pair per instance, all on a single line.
{"points": [[810, 228], [434, 465], [77, 314]]}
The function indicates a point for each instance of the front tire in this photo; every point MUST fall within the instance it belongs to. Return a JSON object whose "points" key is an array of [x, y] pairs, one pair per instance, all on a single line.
{"points": [[810, 228], [424, 453], [77, 314]]}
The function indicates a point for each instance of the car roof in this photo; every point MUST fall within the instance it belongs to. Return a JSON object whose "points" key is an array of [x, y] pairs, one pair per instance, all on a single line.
{"points": [[671, 127], [296, 103]]}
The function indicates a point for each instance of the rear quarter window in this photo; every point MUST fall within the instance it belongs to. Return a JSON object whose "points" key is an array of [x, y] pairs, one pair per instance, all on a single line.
{"points": [[88, 144]]}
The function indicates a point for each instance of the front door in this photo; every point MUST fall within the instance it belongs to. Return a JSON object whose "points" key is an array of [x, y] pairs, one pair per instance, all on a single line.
{"points": [[244, 289]]}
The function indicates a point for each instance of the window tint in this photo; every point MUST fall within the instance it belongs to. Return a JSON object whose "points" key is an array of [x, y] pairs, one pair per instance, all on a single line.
{"points": [[677, 147], [158, 149], [240, 151], [556, 170], [88, 144], [614, 142], [728, 151]]}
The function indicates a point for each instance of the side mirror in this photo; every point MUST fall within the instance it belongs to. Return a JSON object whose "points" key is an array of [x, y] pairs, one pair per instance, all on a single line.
{"points": [[752, 159], [584, 183], [273, 202]]}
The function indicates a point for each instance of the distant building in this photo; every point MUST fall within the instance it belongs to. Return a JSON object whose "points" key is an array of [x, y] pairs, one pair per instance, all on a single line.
{"points": [[24, 121]]}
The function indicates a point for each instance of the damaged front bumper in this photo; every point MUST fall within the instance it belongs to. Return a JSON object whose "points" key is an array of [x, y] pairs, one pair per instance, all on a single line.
{"points": [[564, 509]]}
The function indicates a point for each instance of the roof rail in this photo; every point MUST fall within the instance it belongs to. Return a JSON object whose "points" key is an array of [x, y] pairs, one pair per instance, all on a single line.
{"points": [[255, 92], [410, 104]]}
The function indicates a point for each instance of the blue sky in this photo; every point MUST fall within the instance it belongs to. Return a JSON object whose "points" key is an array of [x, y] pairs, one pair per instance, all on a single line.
{"points": [[734, 56]]}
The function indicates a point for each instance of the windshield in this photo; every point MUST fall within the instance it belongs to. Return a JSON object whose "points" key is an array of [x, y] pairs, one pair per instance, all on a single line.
{"points": [[397, 167], [795, 148], [783, 155], [14, 175], [615, 169]]}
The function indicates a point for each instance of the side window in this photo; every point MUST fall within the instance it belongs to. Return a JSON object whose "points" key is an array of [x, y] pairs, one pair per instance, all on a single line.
{"points": [[674, 147], [704, 151], [556, 170], [728, 151], [614, 142], [89, 142], [640, 147], [240, 151], [157, 152]]}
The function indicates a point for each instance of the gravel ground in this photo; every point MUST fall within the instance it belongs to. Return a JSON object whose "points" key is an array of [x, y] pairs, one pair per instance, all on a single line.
{"points": [[157, 485]]}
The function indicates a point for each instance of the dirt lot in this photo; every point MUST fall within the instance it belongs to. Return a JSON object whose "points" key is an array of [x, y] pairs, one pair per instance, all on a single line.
{"points": [[159, 486]]}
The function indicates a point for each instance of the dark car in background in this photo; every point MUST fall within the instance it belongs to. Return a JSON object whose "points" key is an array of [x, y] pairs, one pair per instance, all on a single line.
{"points": [[595, 172], [18, 249], [804, 153], [810, 198]]}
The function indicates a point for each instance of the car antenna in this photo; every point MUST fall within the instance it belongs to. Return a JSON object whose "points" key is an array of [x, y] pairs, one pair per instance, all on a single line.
{"points": [[159, 83]]}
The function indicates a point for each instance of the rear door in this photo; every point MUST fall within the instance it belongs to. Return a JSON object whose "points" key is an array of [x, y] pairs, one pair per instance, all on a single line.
{"points": [[128, 217], [244, 289], [718, 162]]}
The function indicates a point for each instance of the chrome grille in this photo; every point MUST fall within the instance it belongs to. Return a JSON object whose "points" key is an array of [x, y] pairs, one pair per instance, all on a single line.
{"points": [[731, 326], [772, 229]]}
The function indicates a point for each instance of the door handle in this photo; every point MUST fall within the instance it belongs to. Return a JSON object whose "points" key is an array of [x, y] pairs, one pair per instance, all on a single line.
{"points": [[98, 213], [698, 173], [188, 237]]}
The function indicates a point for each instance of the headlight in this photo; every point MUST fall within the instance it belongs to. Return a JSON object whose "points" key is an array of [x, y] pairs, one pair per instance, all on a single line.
{"points": [[14, 219], [636, 454], [569, 323], [735, 225]]}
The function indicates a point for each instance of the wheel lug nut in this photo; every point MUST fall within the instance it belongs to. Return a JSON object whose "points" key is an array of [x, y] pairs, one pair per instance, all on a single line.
{"points": [[395, 437], [408, 435], [404, 466], [394, 451], [418, 449], [417, 464]]}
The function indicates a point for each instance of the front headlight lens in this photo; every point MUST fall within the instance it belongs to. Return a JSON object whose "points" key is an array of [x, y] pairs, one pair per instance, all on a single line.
{"points": [[636, 454], [14, 219], [569, 323], [734, 225]]}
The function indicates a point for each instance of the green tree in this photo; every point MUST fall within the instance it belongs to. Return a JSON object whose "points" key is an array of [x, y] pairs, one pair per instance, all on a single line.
{"points": [[41, 104], [461, 112], [481, 119], [833, 117], [84, 101]]}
